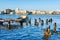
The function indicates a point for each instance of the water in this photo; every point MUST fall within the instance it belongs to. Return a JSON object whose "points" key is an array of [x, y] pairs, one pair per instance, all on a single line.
{"points": [[29, 32]]}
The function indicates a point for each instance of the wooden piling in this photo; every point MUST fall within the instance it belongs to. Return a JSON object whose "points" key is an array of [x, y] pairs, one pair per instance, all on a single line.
{"points": [[1, 23], [47, 33], [50, 20], [35, 22], [54, 27], [39, 19], [48, 30], [21, 23], [47, 21], [42, 22], [9, 25], [30, 21]]}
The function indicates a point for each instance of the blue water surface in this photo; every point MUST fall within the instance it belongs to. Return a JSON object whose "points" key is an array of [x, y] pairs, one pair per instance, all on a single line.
{"points": [[29, 32]]}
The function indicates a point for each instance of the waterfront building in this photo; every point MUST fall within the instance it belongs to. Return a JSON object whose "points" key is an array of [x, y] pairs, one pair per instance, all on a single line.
{"points": [[19, 11], [55, 12], [48, 12], [6, 11], [42, 12], [37, 12], [33, 11], [13, 12]]}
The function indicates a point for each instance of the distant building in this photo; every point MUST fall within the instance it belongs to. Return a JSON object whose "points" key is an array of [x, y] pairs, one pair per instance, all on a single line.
{"points": [[33, 11], [6, 11], [37, 12], [13, 12], [48, 12], [18, 11], [55, 12]]}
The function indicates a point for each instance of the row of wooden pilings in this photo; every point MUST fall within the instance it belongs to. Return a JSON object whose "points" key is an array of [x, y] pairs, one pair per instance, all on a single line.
{"points": [[47, 31], [21, 22], [36, 23]]}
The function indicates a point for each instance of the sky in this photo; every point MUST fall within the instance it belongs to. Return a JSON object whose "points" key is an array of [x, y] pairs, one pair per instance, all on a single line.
{"points": [[30, 4]]}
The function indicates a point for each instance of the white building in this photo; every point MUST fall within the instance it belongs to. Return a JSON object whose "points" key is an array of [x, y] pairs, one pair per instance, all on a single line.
{"points": [[18, 11]]}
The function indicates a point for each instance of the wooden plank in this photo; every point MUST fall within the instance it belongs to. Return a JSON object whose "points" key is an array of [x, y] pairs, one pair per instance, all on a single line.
{"points": [[18, 20], [11, 20]]}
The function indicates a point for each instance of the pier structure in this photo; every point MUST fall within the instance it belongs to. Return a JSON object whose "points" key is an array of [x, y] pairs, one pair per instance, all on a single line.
{"points": [[20, 20]]}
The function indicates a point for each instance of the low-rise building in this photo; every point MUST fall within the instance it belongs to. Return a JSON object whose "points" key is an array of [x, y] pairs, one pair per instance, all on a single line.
{"points": [[6, 11], [18, 11]]}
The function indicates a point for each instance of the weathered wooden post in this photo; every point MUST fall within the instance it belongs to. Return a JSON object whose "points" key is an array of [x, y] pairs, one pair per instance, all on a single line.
{"points": [[1, 23], [30, 21], [47, 33], [47, 21], [21, 23], [9, 24], [35, 22], [54, 27], [50, 20], [42, 22], [49, 30], [39, 19], [27, 21]]}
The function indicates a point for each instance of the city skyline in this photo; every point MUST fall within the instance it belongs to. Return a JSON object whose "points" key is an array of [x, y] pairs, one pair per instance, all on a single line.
{"points": [[30, 4]]}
